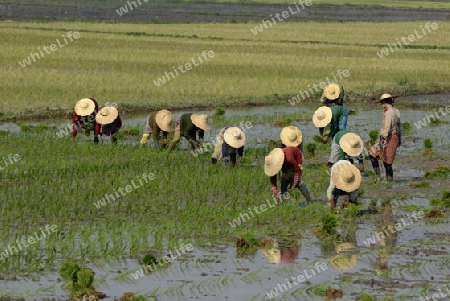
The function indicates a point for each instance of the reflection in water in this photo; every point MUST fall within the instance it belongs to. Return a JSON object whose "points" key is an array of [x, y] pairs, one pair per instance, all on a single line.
{"points": [[346, 257], [283, 250], [387, 239]]}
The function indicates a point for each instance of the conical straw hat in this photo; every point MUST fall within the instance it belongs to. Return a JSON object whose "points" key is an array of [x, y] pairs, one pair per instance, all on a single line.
{"points": [[201, 121], [106, 115], [346, 177], [322, 117], [291, 136], [273, 162], [351, 144], [164, 120], [84, 107], [234, 137]]}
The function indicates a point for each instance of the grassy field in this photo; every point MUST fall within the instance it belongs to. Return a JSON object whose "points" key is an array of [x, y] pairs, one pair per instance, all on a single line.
{"points": [[121, 62], [115, 3], [188, 199]]}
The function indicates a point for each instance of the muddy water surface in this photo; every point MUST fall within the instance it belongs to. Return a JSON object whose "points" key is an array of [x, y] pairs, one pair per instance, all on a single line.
{"points": [[399, 265]]}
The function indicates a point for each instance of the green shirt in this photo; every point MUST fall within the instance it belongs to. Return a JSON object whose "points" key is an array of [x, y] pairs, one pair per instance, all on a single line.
{"points": [[188, 129], [337, 139], [338, 113]]}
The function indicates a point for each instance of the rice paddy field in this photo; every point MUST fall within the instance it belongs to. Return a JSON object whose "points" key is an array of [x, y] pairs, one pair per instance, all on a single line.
{"points": [[270, 67], [80, 221]]}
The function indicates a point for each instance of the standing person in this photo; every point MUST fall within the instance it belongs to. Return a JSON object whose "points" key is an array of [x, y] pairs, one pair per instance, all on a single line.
{"points": [[156, 122], [289, 161], [229, 141], [390, 138], [345, 179], [187, 126], [333, 97], [85, 111], [111, 123]]}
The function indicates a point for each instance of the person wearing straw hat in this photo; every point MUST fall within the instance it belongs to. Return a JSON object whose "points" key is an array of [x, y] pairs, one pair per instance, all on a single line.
{"points": [[333, 92], [85, 111], [333, 97], [157, 122], [345, 180], [229, 141], [292, 136], [187, 126], [289, 160], [111, 123], [321, 119], [351, 149], [390, 138]]}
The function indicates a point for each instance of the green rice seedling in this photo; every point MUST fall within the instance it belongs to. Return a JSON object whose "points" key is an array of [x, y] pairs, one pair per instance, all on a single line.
{"points": [[428, 146], [329, 223], [406, 127], [439, 172], [148, 259], [247, 244], [441, 202], [85, 278], [68, 271], [435, 121], [219, 111], [367, 297], [374, 135], [129, 296], [422, 184], [410, 208], [24, 127], [311, 149], [317, 138], [353, 210]]}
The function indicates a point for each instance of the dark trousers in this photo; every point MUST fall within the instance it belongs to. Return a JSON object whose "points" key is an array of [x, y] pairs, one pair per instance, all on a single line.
{"points": [[387, 167]]}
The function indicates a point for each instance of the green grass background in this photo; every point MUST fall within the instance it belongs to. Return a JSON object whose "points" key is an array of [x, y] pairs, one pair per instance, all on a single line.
{"points": [[119, 62]]}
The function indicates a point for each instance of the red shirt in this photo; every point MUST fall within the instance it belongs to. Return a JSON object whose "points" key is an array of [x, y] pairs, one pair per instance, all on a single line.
{"points": [[292, 159], [79, 121]]}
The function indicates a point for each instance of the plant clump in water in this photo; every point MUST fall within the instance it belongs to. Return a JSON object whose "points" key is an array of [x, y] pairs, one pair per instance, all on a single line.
{"points": [[82, 279], [247, 245], [428, 146], [129, 296], [439, 172]]}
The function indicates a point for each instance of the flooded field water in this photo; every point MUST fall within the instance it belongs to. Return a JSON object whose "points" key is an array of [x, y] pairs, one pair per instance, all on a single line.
{"points": [[401, 265]]}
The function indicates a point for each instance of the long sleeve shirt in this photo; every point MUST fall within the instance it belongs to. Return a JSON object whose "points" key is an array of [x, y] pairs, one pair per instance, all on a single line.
{"points": [[293, 160], [153, 127], [337, 139], [226, 146], [80, 121], [391, 122], [188, 129], [332, 186], [107, 128], [221, 147], [338, 120]]}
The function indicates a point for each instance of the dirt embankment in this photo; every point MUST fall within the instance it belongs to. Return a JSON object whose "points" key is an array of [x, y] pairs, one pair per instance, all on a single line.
{"points": [[209, 12]]}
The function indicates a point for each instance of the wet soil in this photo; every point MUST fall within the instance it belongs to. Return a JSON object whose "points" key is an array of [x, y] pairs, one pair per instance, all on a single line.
{"points": [[401, 265], [206, 12]]}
